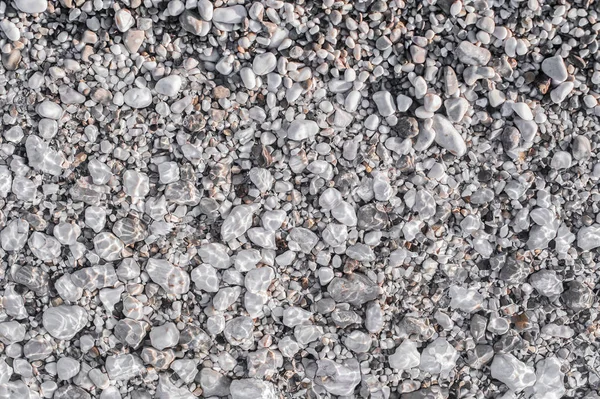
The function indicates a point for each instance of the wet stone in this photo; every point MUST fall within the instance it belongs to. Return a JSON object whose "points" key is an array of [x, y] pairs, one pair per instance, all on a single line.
{"points": [[239, 330], [338, 378], [172, 279], [34, 278], [123, 367], [131, 332], [405, 357], [214, 383], [512, 372], [95, 277], [249, 388], [439, 357], [64, 321], [356, 289]]}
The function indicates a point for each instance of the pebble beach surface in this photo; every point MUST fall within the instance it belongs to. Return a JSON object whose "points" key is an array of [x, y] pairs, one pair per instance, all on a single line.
{"points": [[299, 199]]}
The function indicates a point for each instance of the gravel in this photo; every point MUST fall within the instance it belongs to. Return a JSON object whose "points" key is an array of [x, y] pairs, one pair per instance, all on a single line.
{"points": [[309, 199]]}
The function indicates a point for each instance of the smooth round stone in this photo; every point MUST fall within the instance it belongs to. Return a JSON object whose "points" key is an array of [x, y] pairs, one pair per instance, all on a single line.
{"points": [[239, 330], [69, 95], [561, 160], [49, 109], [165, 336], [358, 341], [456, 108], [248, 78], [10, 30], [295, 316], [439, 357], [47, 128], [403, 103], [448, 137], [108, 246], [138, 97], [66, 233], [470, 54], [124, 20], [560, 93], [523, 111], [67, 368], [385, 103], [512, 372], [418, 54], [64, 322], [136, 184], [206, 278], [31, 6], [230, 15], [302, 129], [252, 388], [581, 147], [44, 247], [555, 68], [168, 86], [205, 9], [264, 64], [432, 102], [406, 356], [420, 85], [173, 280]]}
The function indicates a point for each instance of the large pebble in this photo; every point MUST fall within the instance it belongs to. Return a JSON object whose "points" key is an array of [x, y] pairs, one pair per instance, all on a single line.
{"points": [[168, 86], [512, 372], [555, 68], [31, 6], [138, 97], [302, 129], [64, 322], [470, 54], [448, 137], [230, 15]]}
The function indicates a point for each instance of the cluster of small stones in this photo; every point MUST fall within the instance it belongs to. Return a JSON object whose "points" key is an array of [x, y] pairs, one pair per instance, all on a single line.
{"points": [[299, 199]]}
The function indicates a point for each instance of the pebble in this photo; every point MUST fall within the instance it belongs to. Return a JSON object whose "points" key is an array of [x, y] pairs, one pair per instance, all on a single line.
{"points": [[523, 110], [470, 54], [385, 103], [512, 372], [167, 86], [230, 15], [448, 137], [10, 30], [138, 98], [302, 129], [560, 93], [64, 322], [555, 68], [49, 109], [406, 356], [172, 279], [31, 6], [264, 64], [456, 108]]}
